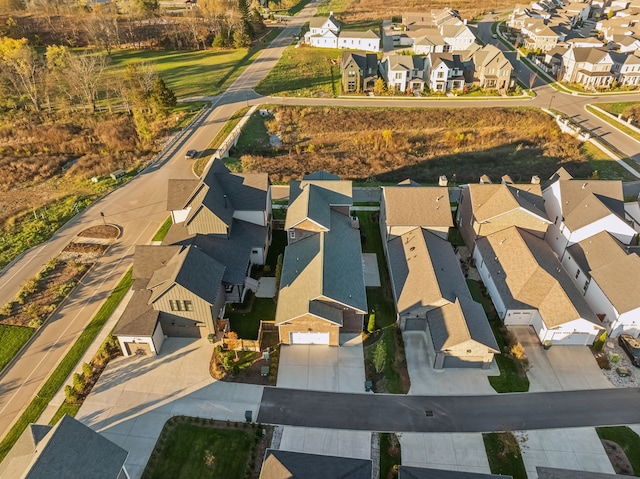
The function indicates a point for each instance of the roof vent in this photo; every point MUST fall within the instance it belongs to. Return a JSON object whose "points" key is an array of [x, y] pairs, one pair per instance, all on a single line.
{"points": [[439, 197], [225, 200], [442, 181], [502, 241], [535, 180], [584, 185]]}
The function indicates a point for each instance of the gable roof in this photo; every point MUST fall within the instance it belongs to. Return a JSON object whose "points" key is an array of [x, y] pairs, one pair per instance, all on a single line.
{"points": [[179, 192], [326, 266], [553, 473], [297, 465], [527, 275], [192, 269], [364, 62], [312, 198], [425, 206], [67, 450], [405, 62], [586, 201], [318, 22], [358, 34], [412, 472], [138, 318], [149, 258], [491, 200]]}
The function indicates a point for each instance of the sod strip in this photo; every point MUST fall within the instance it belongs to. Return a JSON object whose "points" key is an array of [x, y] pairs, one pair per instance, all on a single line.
{"points": [[66, 366]]}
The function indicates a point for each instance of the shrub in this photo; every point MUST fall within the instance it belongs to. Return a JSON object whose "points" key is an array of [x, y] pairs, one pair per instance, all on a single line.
{"points": [[87, 370], [70, 394], [79, 382], [380, 356], [371, 326], [518, 352]]}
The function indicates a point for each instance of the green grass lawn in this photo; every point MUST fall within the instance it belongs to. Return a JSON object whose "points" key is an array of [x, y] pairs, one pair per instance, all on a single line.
{"points": [[254, 135], [193, 73], [163, 230], [607, 168], [187, 447], [390, 454], [66, 366], [12, 338], [616, 108], [625, 438], [511, 379], [304, 71], [247, 324], [503, 453]]}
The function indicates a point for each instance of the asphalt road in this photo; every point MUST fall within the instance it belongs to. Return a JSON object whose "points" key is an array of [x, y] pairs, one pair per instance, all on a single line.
{"points": [[138, 207], [397, 413]]}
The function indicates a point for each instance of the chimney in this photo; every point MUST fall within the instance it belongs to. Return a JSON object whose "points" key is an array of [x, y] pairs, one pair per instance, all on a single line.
{"points": [[331, 13], [442, 181], [506, 180], [485, 180], [535, 180]]}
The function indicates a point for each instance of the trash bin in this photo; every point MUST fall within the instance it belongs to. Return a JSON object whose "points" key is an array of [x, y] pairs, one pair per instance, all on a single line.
{"points": [[211, 338], [546, 344], [367, 386], [248, 416]]}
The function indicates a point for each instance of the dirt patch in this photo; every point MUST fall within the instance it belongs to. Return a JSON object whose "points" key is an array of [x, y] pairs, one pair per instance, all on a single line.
{"points": [[618, 458], [101, 232]]}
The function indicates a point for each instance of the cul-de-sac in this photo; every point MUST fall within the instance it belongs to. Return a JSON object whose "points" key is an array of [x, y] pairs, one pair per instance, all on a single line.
{"points": [[319, 239]]}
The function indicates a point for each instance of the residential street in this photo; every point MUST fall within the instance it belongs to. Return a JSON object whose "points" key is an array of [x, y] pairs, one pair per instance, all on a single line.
{"points": [[398, 413], [138, 207]]}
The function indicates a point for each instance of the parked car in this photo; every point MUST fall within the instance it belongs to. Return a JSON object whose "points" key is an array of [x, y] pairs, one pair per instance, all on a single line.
{"points": [[191, 154], [631, 346]]}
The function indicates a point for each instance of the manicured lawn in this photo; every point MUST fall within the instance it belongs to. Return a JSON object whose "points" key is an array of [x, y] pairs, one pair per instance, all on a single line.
{"points": [[625, 438], [503, 453], [254, 135], [164, 229], [12, 338], [607, 168], [304, 71], [65, 408], [192, 73], [616, 108], [66, 366], [188, 448], [247, 324], [511, 378]]}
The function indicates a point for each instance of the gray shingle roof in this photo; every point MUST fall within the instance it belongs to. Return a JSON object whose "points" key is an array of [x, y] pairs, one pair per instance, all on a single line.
{"points": [[311, 199], [365, 62], [410, 472], [297, 465], [179, 192], [149, 258], [139, 318], [552, 473], [70, 450]]}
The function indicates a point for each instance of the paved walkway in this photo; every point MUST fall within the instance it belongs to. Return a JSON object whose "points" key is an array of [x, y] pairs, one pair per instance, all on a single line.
{"points": [[331, 442], [370, 269], [450, 451], [579, 449], [135, 396], [266, 287]]}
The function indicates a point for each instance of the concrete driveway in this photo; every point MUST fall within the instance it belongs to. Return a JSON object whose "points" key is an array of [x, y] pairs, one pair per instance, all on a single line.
{"points": [[450, 451], [561, 368], [323, 368], [331, 442], [425, 380], [135, 396], [576, 448]]}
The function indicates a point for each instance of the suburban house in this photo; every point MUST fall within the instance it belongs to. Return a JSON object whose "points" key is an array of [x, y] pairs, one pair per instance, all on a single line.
{"points": [[448, 71], [539, 36], [590, 67], [579, 209], [413, 472], [492, 70], [529, 286], [609, 276], [403, 72], [437, 31], [626, 68], [67, 450], [279, 464], [359, 71], [322, 291], [222, 227], [486, 208], [429, 289], [326, 32]]}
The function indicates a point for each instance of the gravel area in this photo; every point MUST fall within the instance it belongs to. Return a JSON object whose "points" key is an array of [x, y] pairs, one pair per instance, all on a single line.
{"points": [[612, 349]]}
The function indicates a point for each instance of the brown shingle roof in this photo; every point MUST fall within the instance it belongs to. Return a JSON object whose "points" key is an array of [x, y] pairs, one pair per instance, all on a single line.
{"points": [[417, 206], [584, 202], [491, 200]]}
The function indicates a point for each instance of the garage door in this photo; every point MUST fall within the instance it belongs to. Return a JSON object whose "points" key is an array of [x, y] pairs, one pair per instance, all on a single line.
{"points": [[573, 339], [470, 362], [139, 349], [309, 338], [415, 324]]}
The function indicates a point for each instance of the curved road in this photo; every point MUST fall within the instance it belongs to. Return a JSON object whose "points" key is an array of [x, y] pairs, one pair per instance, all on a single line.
{"points": [[138, 207]]}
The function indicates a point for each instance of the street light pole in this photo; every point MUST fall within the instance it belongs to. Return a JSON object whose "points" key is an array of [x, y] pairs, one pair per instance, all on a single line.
{"points": [[551, 101]]}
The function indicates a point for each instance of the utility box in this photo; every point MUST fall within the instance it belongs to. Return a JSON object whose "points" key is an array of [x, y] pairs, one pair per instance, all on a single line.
{"points": [[116, 175], [248, 416]]}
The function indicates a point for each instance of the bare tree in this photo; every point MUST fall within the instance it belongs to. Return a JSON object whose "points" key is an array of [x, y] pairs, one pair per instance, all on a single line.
{"points": [[21, 69]]}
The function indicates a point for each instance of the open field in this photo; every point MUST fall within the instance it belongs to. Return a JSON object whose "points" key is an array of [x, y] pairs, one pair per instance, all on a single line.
{"points": [[304, 71], [382, 145]]}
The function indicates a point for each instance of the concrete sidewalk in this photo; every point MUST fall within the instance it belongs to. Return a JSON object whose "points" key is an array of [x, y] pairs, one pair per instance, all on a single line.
{"points": [[331, 442]]}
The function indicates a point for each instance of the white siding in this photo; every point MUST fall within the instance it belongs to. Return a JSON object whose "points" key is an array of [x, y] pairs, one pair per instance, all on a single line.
{"points": [[254, 217], [123, 340], [158, 338], [178, 216], [365, 44], [489, 284], [627, 323], [614, 225]]}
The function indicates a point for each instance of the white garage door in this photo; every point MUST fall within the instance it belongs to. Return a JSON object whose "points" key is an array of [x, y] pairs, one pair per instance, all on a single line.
{"points": [[309, 338], [575, 338]]}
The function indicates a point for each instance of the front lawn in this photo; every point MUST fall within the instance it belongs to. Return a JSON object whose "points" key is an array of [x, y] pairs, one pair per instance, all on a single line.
{"points": [[12, 338], [304, 71], [512, 377], [627, 439], [503, 453], [186, 451], [390, 455], [163, 230]]}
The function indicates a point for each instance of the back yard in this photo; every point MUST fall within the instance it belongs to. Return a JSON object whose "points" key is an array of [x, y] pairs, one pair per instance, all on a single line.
{"points": [[387, 146]]}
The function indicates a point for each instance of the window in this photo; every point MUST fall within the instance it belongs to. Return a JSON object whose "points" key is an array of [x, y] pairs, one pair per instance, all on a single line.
{"points": [[577, 274], [586, 284], [352, 73], [180, 305], [292, 234], [255, 251], [228, 288], [398, 75], [440, 75]]}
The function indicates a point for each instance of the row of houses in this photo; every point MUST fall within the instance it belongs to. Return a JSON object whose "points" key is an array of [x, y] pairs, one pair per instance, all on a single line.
{"points": [[329, 33], [485, 67]]}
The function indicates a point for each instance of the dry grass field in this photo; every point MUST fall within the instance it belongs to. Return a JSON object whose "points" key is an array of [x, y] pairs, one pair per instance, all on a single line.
{"points": [[382, 145]]}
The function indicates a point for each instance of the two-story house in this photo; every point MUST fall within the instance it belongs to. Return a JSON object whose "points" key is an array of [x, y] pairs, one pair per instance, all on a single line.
{"points": [[446, 72], [222, 227], [403, 72], [590, 67], [492, 70], [359, 71], [626, 68], [579, 209], [429, 289], [322, 291], [326, 32]]}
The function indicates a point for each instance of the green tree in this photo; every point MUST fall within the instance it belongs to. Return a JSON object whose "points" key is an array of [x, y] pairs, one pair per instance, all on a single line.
{"points": [[371, 326], [87, 370], [162, 97], [380, 356], [79, 382], [279, 270], [379, 87], [70, 394], [219, 41], [241, 38], [21, 71]]}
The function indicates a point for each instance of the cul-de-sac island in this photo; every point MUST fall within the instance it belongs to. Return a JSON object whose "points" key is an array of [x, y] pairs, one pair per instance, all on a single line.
{"points": [[319, 239]]}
